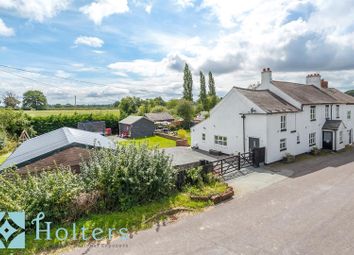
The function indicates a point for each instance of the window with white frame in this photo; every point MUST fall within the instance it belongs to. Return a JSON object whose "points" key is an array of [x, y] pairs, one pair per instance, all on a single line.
{"points": [[203, 136], [282, 144], [337, 111], [349, 115], [298, 139], [327, 112], [283, 123], [221, 140], [312, 139], [340, 136], [313, 113]]}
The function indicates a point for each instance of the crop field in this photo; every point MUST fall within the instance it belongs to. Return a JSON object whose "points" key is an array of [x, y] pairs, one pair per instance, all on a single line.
{"points": [[69, 112]]}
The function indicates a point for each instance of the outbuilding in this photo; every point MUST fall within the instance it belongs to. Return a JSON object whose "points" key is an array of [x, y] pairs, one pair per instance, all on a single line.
{"points": [[136, 126], [64, 146]]}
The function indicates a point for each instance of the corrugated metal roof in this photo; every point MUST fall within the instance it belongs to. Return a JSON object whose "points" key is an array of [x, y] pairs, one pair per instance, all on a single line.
{"points": [[159, 116], [305, 94], [332, 124], [53, 141], [267, 101], [131, 119]]}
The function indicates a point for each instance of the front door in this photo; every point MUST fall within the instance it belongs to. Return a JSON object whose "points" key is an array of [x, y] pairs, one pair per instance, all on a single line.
{"points": [[253, 143], [327, 140], [350, 136]]}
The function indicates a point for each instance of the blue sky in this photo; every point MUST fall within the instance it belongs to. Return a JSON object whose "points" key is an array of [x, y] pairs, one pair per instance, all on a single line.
{"points": [[139, 47]]}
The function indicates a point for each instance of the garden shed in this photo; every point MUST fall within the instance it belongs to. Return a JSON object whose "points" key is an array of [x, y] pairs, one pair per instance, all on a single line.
{"points": [[136, 126], [64, 146], [93, 126], [160, 117]]}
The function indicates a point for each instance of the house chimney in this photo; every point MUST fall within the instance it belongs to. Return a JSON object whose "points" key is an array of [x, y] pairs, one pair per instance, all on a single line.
{"points": [[324, 84], [266, 78], [314, 79]]}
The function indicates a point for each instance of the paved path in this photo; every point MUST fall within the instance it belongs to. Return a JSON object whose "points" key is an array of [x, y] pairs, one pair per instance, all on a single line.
{"points": [[312, 212]]}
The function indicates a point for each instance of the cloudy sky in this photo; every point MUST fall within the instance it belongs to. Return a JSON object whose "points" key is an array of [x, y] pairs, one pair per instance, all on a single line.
{"points": [[139, 47]]}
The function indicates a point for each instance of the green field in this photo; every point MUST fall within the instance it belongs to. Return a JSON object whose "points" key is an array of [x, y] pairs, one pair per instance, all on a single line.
{"points": [[70, 112]]}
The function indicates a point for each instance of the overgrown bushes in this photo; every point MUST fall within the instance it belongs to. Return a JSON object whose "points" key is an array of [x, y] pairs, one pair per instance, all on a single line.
{"points": [[109, 180], [129, 175], [14, 122], [44, 124]]}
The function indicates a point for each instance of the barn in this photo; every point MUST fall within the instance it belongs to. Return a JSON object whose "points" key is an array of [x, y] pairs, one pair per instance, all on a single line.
{"points": [[136, 126], [64, 146]]}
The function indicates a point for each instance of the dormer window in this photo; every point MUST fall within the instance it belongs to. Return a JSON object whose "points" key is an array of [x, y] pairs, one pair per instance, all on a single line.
{"points": [[283, 123], [313, 113]]}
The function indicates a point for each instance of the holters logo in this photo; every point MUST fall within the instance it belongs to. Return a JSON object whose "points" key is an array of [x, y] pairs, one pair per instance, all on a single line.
{"points": [[12, 230]]}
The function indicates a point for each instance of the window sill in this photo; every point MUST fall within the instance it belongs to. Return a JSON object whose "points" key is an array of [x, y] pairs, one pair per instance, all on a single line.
{"points": [[283, 149]]}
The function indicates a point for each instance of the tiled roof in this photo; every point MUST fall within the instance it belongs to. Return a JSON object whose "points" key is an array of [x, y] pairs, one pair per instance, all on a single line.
{"points": [[131, 119], [305, 94], [159, 116], [332, 124], [339, 96], [267, 101], [54, 141]]}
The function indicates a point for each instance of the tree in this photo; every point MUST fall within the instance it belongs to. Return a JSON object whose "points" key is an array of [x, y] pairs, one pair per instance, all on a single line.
{"points": [[187, 84], [129, 105], [185, 111], [34, 99], [203, 95], [212, 91], [10, 100], [350, 92], [158, 108]]}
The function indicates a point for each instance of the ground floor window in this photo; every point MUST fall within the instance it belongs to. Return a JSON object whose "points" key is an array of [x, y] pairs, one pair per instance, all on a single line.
{"points": [[203, 136], [221, 140], [312, 139], [340, 136], [282, 144]]}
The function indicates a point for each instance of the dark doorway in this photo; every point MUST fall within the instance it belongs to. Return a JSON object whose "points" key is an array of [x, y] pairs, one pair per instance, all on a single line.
{"points": [[327, 140], [351, 136], [253, 143]]}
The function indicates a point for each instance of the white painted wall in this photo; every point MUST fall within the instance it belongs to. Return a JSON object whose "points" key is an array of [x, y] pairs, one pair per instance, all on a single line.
{"points": [[225, 120]]}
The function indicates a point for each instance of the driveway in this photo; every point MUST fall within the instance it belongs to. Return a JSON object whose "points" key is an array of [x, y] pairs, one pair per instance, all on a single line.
{"points": [[310, 212]]}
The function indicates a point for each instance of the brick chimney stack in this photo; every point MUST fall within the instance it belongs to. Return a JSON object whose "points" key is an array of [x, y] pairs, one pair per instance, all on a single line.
{"points": [[266, 77], [314, 79], [324, 84]]}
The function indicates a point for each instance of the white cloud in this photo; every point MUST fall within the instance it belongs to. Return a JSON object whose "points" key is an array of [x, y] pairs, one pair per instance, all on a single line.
{"points": [[5, 30], [148, 8], [89, 41], [100, 9], [37, 10], [185, 3], [62, 74]]}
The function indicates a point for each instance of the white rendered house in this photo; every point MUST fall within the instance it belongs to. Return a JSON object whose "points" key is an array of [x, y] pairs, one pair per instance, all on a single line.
{"points": [[283, 117]]}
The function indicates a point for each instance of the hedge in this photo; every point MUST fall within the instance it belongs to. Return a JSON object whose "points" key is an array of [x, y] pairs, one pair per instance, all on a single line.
{"points": [[44, 124]]}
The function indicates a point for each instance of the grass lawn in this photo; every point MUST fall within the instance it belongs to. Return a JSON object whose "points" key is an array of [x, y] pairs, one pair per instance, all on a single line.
{"points": [[69, 112], [153, 141], [4, 157], [132, 219]]}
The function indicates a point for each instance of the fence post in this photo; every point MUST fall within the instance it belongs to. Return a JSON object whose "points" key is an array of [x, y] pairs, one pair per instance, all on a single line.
{"points": [[239, 161]]}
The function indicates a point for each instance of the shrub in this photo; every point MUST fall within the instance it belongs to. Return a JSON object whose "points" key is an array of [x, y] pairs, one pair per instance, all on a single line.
{"points": [[182, 133], [128, 176], [14, 122], [44, 124], [52, 192]]}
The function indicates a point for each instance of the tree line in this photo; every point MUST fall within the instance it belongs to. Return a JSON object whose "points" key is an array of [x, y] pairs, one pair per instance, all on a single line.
{"points": [[32, 99]]}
